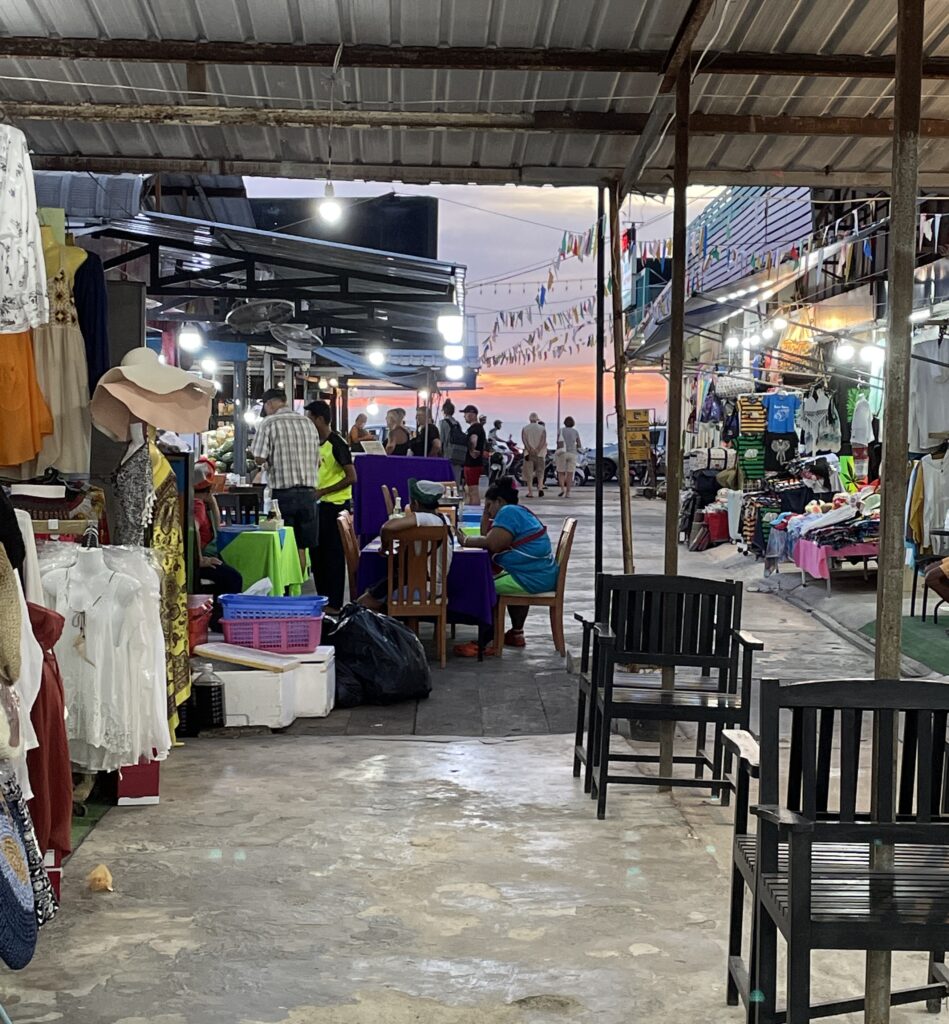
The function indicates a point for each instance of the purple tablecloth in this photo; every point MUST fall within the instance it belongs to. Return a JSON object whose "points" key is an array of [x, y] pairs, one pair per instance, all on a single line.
{"points": [[471, 593], [372, 471]]}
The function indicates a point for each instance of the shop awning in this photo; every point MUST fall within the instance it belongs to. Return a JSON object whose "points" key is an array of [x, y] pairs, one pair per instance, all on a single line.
{"points": [[709, 309], [354, 298]]}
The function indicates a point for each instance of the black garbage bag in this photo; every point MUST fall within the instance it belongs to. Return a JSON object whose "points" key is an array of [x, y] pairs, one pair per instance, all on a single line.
{"points": [[349, 691], [383, 656]]}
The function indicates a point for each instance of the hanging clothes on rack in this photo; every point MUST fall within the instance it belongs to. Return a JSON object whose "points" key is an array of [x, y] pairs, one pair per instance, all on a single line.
{"points": [[23, 297]]}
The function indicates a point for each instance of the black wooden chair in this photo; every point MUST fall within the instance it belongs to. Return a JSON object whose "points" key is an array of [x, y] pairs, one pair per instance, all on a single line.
{"points": [[809, 865], [671, 622], [241, 508]]}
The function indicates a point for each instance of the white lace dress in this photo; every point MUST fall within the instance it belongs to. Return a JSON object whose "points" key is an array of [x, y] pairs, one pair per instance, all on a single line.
{"points": [[111, 655], [23, 299]]}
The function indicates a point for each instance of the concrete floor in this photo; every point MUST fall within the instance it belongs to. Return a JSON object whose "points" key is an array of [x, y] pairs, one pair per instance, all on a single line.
{"points": [[320, 879]]}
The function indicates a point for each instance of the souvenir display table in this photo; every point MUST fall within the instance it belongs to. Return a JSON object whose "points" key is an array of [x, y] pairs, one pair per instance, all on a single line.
{"points": [[817, 560]]}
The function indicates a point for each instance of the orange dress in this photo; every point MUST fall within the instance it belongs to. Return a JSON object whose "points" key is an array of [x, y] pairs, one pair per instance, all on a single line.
{"points": [[24, 415]]}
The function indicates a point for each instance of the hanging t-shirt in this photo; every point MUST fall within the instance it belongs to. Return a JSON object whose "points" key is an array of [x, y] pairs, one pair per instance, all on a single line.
{"points": [[861, 429], [751, 455], [782, 412], [752, 415]]}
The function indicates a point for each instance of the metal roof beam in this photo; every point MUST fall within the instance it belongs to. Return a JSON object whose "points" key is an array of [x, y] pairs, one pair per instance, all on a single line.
{"points": [[658, 179], [188, 51], [570, 122], [680, 51], [280, 117]]}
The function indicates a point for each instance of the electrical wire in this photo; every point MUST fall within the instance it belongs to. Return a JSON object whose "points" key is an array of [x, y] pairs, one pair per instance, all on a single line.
{"points": [[524, 102]]}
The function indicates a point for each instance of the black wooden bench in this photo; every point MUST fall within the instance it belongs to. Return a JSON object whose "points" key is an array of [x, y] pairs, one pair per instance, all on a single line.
{"points": [[671, 622], [808, 866]]}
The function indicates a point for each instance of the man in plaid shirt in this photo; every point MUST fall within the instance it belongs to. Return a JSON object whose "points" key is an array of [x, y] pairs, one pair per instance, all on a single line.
{"points": [[289, 446]]}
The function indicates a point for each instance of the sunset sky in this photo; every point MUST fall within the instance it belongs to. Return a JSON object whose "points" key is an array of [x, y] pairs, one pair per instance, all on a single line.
{"points": [[507, 237]]}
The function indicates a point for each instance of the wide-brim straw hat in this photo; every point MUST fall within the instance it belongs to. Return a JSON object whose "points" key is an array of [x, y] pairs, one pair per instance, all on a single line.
{"points": [[143, 389]]}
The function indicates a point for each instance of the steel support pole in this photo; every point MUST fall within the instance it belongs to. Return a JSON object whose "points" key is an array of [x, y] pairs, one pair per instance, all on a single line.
{"points": [[241, 405], [600, 358], [680, 182], [895, 471], [619, 381]]}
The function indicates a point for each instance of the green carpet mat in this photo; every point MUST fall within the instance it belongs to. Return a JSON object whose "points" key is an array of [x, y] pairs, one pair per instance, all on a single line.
{"points": [[96, 809], [922, 641]]}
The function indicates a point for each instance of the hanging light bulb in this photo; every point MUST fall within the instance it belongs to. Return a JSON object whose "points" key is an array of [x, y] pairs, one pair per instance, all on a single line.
{"points": [[334, 382], [845, 352], [454, 352], [250, 417], [373, 407], [451, 327], [767, 334], [454, 371], [208, 365], [190, 338], [323, 383], [754, 340], [329, 207], [872, 354], [732, 341], [377, 357], [423, 395], [779, 323]]}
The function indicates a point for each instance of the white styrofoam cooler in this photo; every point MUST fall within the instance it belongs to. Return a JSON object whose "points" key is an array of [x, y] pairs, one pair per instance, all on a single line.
{"points": [[274, 699]]}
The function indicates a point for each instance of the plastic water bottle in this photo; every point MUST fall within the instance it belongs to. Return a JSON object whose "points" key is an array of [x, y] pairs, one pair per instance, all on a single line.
{"points": [[397, 511]]}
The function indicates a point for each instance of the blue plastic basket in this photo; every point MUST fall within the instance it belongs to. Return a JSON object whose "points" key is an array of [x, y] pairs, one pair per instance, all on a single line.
{"points": [[248, 606]]}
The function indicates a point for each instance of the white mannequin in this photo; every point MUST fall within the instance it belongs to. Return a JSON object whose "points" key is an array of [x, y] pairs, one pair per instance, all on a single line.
{"points": [[137, 433], [87, 580]]}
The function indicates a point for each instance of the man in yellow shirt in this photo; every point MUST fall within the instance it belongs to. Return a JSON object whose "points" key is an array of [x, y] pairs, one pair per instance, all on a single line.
{"points": [[334, 489]]}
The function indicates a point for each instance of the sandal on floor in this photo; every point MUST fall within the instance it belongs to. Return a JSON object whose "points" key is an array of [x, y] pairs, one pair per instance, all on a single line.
{"points": [[514, 638], [470, 650]]}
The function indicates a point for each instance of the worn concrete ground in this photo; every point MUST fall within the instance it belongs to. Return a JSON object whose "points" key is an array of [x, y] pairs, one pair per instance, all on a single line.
{"points": [[318, 879], [355, 881]]}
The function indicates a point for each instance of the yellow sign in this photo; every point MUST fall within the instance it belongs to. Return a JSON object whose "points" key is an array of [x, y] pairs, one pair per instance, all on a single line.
{"points": [[637, 435]]}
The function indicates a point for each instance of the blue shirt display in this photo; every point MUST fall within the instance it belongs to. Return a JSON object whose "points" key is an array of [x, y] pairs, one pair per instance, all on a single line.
{"points": [[782, 410], [532, 563]]}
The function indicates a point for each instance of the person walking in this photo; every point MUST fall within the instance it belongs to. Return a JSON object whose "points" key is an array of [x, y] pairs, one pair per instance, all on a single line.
{"points": [[568, 450], [335, 492], [289, 447], [454, 441], [534, 440], [474, 459]]}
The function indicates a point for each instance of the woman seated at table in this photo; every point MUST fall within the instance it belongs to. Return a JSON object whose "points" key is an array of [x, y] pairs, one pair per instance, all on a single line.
{"points": [[214, 577], [358, 433], [397, 442], [424, 499], [521, 553]]}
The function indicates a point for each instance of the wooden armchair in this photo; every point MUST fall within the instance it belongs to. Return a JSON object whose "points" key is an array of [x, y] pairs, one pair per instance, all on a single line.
{"points": [[417, 575], [681, 625], [811, 866]]}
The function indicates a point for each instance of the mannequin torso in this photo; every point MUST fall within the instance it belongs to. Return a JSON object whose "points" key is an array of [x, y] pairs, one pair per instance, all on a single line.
{"points": [[66, 257]]}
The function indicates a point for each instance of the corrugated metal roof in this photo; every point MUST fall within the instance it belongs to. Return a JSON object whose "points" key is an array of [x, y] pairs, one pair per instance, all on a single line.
{"points": [[774, 26]]}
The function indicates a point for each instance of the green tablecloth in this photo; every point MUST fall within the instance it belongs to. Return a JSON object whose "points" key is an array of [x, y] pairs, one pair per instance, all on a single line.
{"points": [[257, 554]]}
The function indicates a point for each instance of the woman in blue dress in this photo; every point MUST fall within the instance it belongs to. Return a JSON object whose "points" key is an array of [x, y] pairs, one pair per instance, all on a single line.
{"points": [[521, 553]]}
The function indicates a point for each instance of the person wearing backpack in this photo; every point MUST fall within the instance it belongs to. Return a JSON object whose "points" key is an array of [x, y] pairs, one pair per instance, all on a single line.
{"points": [[454, 440]]}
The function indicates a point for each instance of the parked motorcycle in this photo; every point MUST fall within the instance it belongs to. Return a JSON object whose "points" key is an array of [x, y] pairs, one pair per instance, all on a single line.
{"points": [[500, 456]]}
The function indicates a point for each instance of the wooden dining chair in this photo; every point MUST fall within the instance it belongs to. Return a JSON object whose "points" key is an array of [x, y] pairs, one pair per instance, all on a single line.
{"points": [[552, 599], [388, 499], [347, 534], [418, 559]]}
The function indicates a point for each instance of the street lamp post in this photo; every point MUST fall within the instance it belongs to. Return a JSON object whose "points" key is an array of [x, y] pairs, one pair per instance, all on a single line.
{"points": [[560, 384]]}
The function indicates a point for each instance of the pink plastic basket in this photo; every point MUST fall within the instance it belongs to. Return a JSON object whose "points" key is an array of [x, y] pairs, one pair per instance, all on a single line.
{"points": [[282, 636]]}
